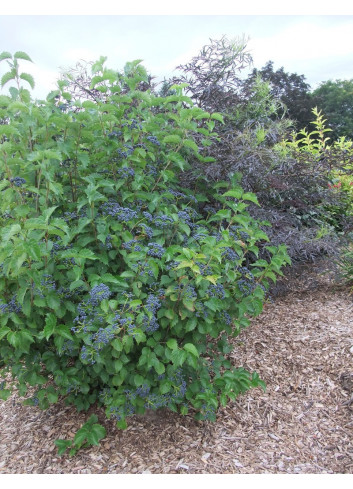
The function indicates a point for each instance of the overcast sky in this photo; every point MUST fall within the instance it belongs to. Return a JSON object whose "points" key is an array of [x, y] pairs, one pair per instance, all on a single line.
{"points": [[319, 47]]}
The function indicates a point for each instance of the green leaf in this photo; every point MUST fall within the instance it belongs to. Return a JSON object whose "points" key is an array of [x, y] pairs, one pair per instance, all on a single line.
{"points": [[53, 301], [50, 323], [5, 394], [81, 435], [62, 446], [172, 344], [189, 305], [190, 144], [5, 55], [52, 397], [10, 231], [22, 55], [63, 330], [236, 193], [13, 338], [10, 75], [251, 197], [122, 424], [172, 138], [217, 117], [191, 324], [191, 349], [220, 215], [159, 367], [28, 78], [117, 345], [96, 433], [4, 331], [178, 357]]}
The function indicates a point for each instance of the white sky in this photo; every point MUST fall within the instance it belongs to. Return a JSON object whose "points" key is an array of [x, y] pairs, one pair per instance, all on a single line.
{"points": [[317, 46]]}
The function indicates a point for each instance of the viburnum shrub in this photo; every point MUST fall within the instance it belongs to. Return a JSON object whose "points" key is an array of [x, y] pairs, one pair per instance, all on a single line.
{"points": [[118, 287]]}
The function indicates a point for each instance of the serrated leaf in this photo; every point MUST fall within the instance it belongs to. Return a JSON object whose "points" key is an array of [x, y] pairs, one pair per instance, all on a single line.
{"points": [[81, 435], [50, 323], [4, 331], [212, 278], [191, 349], [122, 424], [5, 55], [53, 301], [92, 419], [28, 78], [22, 55], [5, 394], [178, 357], [251, 197], [10, 75], [172, 344], [52, 397], [236, 193], [172, 138], [63, 331], [62, 445], [190, 144], [10, 231], [96, 433], [217, 117]]}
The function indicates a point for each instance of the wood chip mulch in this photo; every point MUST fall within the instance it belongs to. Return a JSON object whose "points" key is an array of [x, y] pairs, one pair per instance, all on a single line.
{"points": [[300, 346]]}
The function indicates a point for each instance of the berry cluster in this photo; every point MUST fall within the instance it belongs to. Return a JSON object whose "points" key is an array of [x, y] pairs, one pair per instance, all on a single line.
{"points": [[132, 245], [156, 250], [150, 324], [143, 269], [216, 291], [187, 293], [87, 312], [162, 221], [126, 172], [132, 124], [98, 293], [184, 216], [59, 247], [153, 303], [103, 337], [181, 195], [235, 232], [18, 181], [11, 306], [114, 134], [48, 282], [108, 242], [123, 214], [225, 317], [201, 310], [230, 255], [153, 140], [204, 269], [146, 230], [151, 170], [68, 347]]}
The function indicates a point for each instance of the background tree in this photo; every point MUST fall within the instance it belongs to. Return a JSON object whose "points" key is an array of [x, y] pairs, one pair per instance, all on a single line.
{"points": [[290, 88], [335, 99], [213, 75]]}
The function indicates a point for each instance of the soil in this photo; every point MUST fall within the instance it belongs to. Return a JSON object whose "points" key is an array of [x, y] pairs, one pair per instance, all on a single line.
{"points": [[301, 346]]}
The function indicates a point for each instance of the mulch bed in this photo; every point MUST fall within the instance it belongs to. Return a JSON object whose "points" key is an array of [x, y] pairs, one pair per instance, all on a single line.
{"points": [[300, 346]]}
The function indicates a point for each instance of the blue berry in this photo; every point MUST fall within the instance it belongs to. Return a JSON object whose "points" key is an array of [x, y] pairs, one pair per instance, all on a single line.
{"points": [[18, 181], [156, 250]]}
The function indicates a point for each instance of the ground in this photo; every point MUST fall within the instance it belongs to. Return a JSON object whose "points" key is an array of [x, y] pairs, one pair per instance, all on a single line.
{"points": [[300, 345]]}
